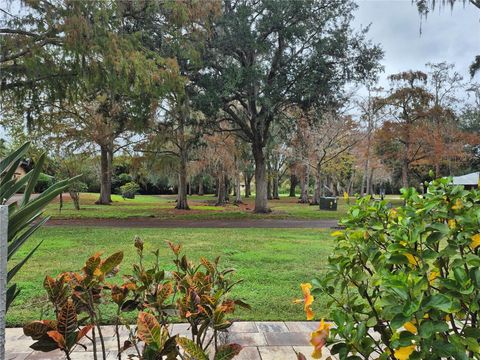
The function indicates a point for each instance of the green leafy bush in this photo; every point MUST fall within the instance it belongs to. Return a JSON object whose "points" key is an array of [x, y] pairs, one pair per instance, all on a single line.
{"points": [[129, 190], [405, 283], [43, 183]]}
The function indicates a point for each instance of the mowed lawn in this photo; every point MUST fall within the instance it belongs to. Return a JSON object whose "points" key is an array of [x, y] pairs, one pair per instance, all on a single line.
{"points": [[202, 207], [272, 263]]}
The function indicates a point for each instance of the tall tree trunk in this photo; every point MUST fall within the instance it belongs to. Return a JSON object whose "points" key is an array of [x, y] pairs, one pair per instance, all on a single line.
{"points": [[367, 165], [366, 180], [200, 186], [269, 178], [261, 201], [293, 183], [182, 203], [437, 170], [248, 182], [269, 186], [106, 156], [366, 175], [304, 180], [437, 144], [238, 194], [405, 171], [222, 191], [370, 182], [318, 186], [363, 185], [227, 188], [275, 185], [405, 161], [350, 183]]}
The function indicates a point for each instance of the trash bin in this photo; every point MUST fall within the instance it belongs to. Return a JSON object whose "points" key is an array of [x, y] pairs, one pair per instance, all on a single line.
{"points": [[328, 203]]}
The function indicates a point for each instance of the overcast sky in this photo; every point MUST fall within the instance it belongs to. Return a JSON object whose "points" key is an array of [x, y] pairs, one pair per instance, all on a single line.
{"points": [[447, 35]]}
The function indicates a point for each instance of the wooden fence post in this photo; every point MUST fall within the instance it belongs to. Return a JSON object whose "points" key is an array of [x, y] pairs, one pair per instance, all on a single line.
{"points": [[3, 274]]}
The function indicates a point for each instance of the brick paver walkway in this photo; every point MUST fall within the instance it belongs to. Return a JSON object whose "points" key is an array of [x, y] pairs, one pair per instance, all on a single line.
{"points": [[262, 340]]}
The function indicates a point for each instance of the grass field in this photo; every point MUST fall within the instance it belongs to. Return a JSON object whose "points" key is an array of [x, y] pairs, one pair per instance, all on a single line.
{"points": [[272, 262], [202, 207]]}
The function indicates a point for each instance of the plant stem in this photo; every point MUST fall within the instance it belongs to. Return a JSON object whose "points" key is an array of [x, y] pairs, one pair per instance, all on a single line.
{"points": [[102, 342], [117, 334], [93, 315], [94, 343]]}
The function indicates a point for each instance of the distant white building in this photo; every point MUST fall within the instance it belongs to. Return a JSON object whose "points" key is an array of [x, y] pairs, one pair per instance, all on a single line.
{"points": [[468, 180]]}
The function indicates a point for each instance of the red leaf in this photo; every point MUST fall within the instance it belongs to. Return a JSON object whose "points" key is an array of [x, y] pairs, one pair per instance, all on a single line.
{"points": [[58, 338], [84, 331]]}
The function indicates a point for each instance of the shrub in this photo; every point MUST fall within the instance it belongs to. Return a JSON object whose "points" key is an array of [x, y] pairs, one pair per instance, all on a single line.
{"points": [[405, 283], [195, 293], [43, 183], [129, 190], [120, 179]]}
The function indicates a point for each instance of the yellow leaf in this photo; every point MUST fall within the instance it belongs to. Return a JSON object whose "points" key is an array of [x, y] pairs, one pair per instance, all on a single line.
{"points": [[404, 353], [410, 327], [475, 241], [432, 276], [337, 233], [458, 205], [413, 260], [393, 213], [452, 224]]}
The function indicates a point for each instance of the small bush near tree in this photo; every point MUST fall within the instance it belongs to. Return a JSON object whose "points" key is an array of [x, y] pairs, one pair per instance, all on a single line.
{"points": [[405, 283], [195, 293], [129, 190], [118, 180], [44, 181]]}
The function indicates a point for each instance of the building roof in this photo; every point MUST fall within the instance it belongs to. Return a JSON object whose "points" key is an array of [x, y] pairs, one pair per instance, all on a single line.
{"points": [[468, 179]]}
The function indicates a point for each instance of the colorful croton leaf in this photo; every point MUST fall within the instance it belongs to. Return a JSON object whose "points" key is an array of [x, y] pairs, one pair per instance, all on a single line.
{"points": [[227, 352], [63, 334], [191, 349]]}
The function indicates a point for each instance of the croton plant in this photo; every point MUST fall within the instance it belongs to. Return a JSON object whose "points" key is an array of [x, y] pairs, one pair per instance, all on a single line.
{"points": [[198, 294], [404, 283]]}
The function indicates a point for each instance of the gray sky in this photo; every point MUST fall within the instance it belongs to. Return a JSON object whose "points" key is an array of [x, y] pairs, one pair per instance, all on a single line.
{"points": [[447, 35]]}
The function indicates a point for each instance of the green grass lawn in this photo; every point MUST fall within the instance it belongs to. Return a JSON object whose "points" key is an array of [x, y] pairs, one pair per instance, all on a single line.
{"points": [[272, 262], [202, 207]]}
